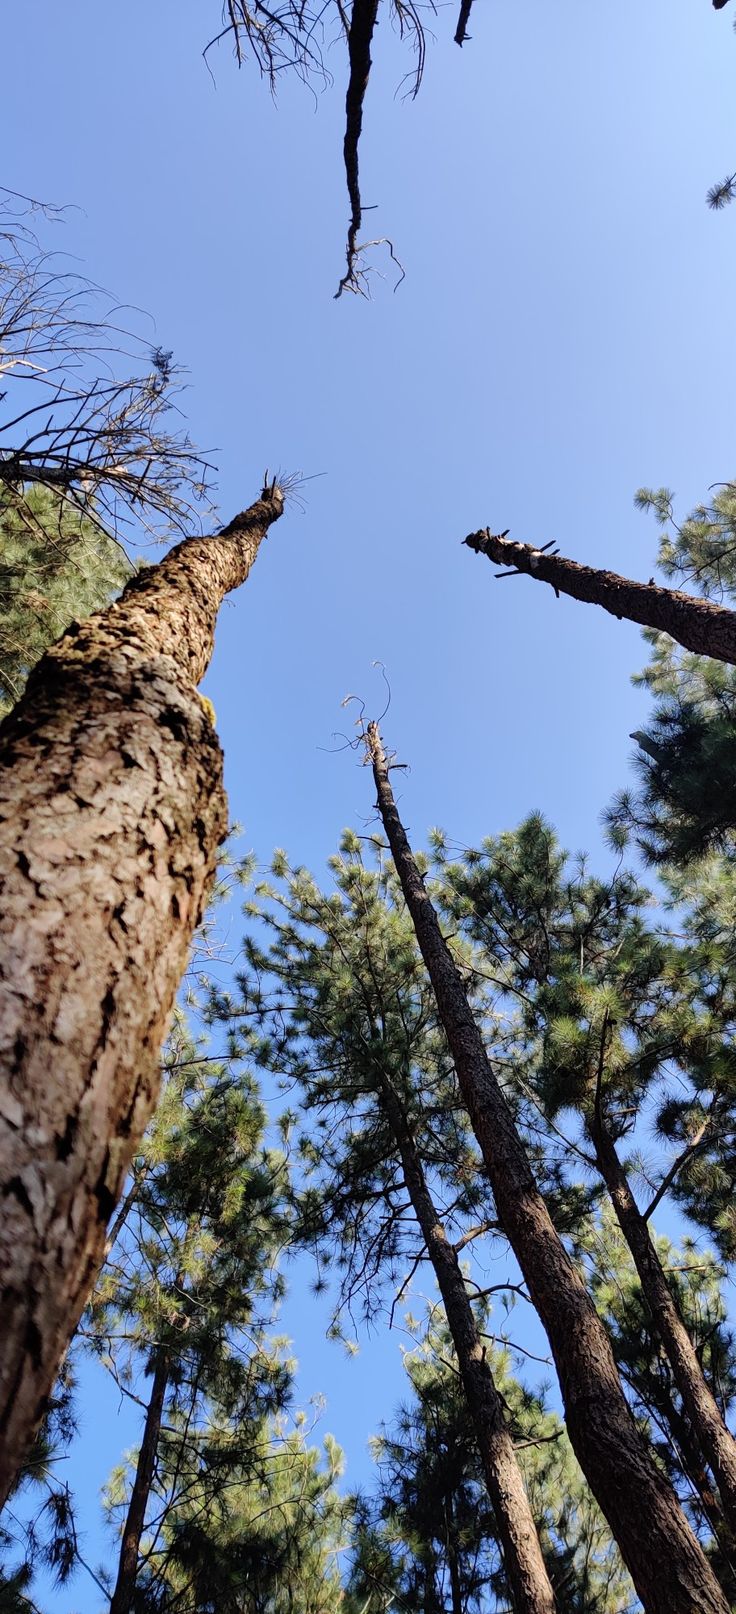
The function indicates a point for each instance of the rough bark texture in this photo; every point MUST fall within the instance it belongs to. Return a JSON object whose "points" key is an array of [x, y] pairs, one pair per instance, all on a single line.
{"points": [[714, 1438], [525, 1568], [122, 1596], [699, 625], [111, 811], [667, 1564]]}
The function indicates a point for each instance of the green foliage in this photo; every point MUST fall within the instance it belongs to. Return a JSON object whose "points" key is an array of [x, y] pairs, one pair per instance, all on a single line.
{"points": [[696, 1279], [618, 1014], [592, 987], [242, 1511], [426, 1540], [191, 1279], [626, 1029], [336, 1007], [56, 565], [38, 1529], [686, 762], [265, 1541]]}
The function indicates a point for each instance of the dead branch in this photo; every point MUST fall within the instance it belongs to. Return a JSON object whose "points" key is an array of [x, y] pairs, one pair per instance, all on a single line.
{"points": [[698, 624], [360, 35], [461, 33], [87, 407]]}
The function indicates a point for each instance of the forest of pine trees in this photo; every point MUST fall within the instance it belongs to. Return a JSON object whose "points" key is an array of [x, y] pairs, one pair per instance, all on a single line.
{"points": [[474, 1100]]}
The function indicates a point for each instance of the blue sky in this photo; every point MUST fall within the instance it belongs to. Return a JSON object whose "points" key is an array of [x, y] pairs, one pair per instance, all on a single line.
{"points": [[562, 336]]}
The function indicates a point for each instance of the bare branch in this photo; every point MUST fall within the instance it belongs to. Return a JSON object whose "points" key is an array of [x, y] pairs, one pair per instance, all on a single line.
{"points": [[360, 34], [89, 406], [461, 33]]}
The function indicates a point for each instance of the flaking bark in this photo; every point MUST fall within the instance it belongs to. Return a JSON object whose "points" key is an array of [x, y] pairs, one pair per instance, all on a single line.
{"points": [[699, 625], [667, 1564], [112, 808], [522, 1555]]}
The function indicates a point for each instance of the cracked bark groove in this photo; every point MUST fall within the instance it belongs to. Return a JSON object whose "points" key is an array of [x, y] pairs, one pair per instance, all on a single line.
{"points": [[712, 1435], [112, 808], [522, 1555], [699, 625], [668, 1566]]}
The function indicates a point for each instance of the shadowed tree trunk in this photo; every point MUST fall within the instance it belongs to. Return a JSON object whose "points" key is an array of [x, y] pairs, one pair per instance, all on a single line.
{"points": [[122, 1596], [699, 625], [716, 1442], [112, 808], [522, 1555], [667, 1564], [694, 1469]]}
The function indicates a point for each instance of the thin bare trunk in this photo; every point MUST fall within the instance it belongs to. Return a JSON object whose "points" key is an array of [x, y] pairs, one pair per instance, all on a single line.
{"points": [[528, 1579], [360, 32], [456, 1591], [117, 1226], [112, 809], [122, 1596], [697, 624], [709, 1428], [667, 1564]]}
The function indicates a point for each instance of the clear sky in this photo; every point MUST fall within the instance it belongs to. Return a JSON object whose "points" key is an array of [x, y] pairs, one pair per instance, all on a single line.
{"points": [[563, 335]]}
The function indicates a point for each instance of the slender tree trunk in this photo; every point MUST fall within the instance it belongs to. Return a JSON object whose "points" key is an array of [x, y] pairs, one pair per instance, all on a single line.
{"points": [[116, 1227], [714, 1438], [456, 1593], [697, 624], [122, 1596], [111, 811], [694, 1468], [363, 18], [528, 1579], [667, 1564]]}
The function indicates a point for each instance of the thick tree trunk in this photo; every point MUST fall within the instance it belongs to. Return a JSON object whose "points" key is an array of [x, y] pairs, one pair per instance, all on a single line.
{"points": [[122, 1596], [111, 812], [528, 1579], [667, 1564], [714, 1438], [697, 624]]}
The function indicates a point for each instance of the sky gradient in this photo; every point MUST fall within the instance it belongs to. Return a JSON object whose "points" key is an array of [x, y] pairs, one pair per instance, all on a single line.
{"points": [[562, 336]]}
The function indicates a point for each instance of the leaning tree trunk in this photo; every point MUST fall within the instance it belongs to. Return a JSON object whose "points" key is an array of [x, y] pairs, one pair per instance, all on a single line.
{"points": [[694, 1469], [668, 1566], [697, 624], [708, 1425], [122, 1596], [112, 808], [530, 1585]]}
